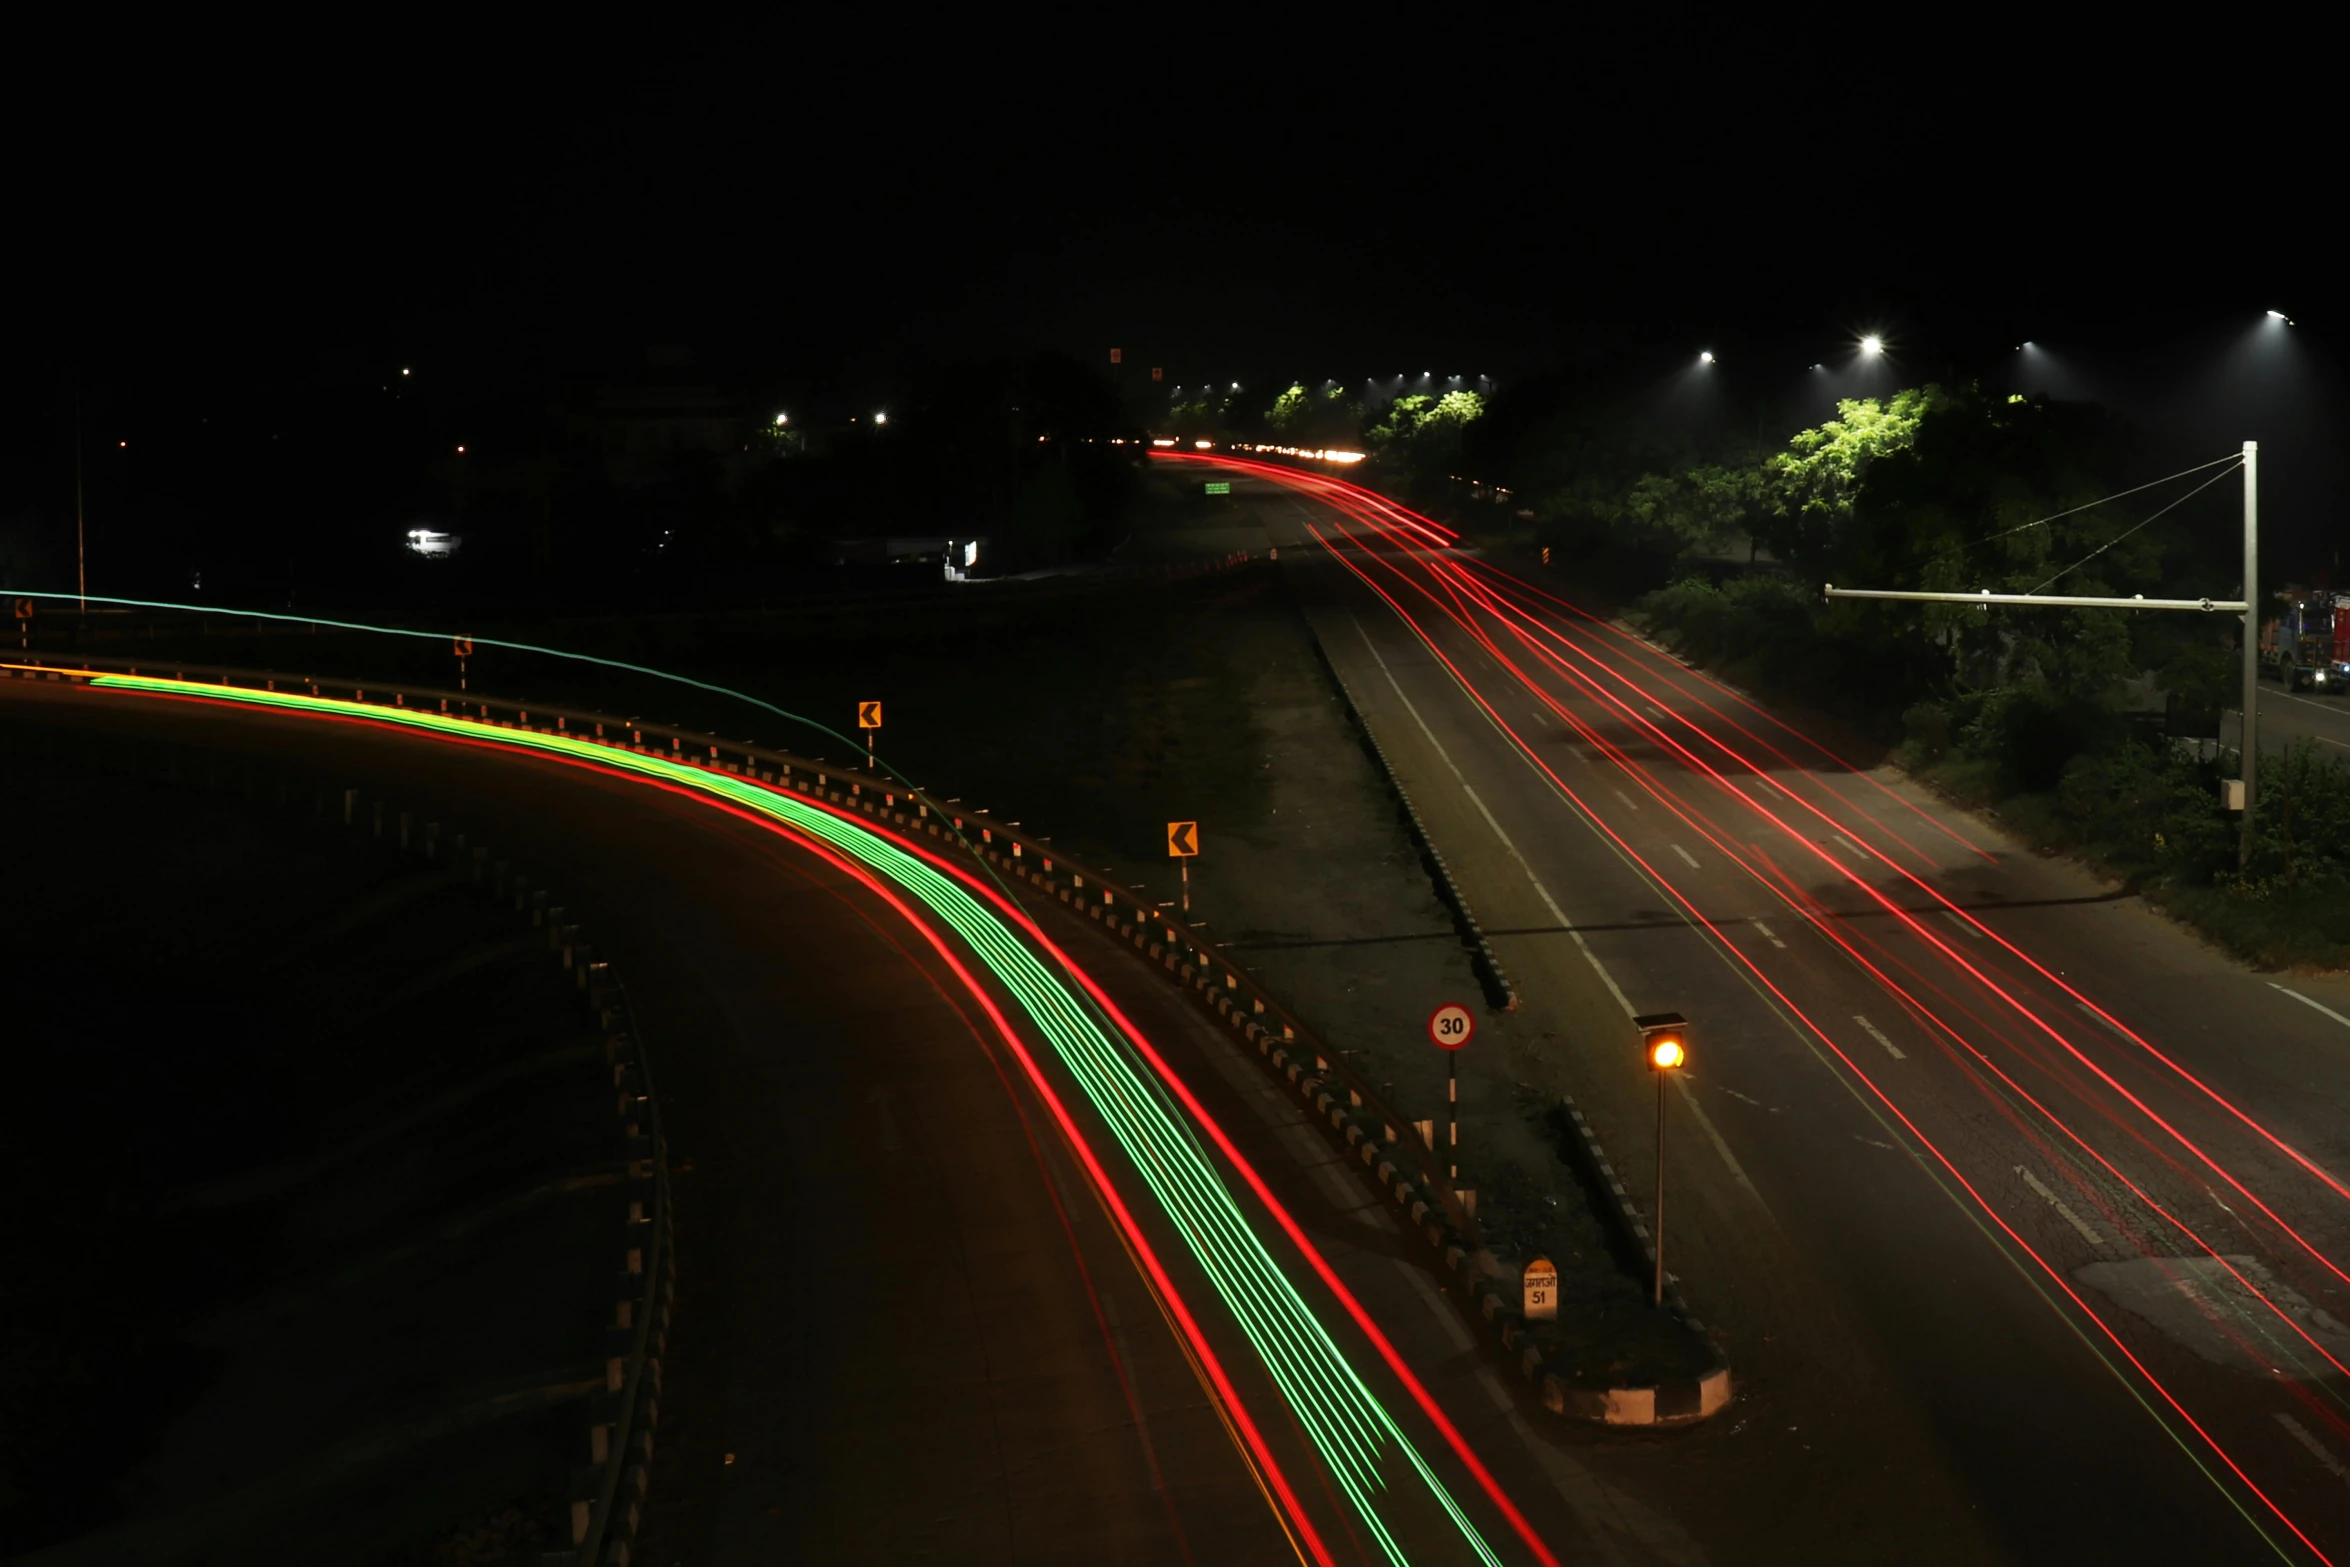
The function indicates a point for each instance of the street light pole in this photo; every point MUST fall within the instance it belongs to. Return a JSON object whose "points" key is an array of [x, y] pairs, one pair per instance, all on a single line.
{"points": [[1664, 1043], [2250, 730], [1659, 1297]]}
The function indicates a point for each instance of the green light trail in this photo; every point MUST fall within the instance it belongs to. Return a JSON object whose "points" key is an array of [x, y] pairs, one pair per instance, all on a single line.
{"points": [[1356, 1437]]}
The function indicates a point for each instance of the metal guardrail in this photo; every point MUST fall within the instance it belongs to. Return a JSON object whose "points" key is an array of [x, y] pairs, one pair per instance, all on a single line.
{"points": [[606, 1497], [1000, 844]]}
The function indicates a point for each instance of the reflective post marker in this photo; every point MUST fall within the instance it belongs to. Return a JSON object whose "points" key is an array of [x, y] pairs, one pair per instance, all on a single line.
{"points": [[1183, 847], [1449, 1028]]}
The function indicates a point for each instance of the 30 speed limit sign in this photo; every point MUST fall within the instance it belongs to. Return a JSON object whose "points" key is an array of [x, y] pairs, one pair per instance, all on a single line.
{"points": [[1450, 1026]]}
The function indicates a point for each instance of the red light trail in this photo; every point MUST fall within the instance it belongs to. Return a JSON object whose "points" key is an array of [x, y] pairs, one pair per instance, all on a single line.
{"points": [[1496, 613]]}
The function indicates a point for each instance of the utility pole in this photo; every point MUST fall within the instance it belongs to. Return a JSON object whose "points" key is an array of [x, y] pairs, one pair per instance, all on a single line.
{"points": [[2250, 735], [81, 570]]}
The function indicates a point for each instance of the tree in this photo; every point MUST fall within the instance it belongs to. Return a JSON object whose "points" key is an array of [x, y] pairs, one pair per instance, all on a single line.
{"points": [[1325, 418], [1424, 435], [1810, 488]]}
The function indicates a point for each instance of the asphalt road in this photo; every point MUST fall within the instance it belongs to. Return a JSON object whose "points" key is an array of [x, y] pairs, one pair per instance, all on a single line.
{"points": [[2286, 715], [905, 1328], [1960, 1234]]}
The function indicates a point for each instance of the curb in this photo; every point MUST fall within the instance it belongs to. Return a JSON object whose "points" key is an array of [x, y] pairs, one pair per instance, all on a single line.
{"points": [[1499, 992], [1357, 1117], [606, 1494], [1674, 1402]]}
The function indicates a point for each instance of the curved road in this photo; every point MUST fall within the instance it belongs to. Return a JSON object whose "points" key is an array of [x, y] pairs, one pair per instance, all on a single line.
{"points": [[907, 1326]]}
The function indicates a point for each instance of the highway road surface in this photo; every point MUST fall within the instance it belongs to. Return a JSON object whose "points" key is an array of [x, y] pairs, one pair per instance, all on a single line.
{"points": [[2025, 1217], [2288, 715], [911, 1321]]}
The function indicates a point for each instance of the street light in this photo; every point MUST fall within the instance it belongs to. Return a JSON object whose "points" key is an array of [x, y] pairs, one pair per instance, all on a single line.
{"points": [[780, 419], [1872, 345], [2279, 315], [1705, 357], [1664, 1044], [881, 418]]}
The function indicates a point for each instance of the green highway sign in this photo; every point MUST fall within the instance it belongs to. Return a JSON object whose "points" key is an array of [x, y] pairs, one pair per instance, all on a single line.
{"points": [[1220, 487]]}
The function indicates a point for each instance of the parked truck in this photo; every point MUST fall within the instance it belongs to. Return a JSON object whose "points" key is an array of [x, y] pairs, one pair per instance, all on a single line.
{"points": [[2305, 645]]}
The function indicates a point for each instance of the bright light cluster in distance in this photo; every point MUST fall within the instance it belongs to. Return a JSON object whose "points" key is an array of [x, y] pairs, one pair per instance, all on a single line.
{"points": [[1330, 454]]}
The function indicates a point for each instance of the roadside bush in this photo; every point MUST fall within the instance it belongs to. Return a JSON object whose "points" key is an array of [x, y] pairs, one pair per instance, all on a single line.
{"points": [[1926, 725], [2149, 810], [2301, 833], [2031, 731]]}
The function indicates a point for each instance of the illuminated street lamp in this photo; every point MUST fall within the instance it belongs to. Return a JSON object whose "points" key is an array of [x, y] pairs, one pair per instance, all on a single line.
{"points": [[781, 419], [2279, 315], [1664, 1045], [881, 418], [1872, 345], [1705, 357]]}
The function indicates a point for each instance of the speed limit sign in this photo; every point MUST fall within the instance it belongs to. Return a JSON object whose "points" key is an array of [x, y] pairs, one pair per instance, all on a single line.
{"points": [[1451, 1026]]}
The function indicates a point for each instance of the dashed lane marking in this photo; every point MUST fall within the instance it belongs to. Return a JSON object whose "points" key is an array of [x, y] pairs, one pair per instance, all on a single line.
{"points": [[1686, 856], [1768, 935], [2325, 1460], [1878, 1035], [2088, 1231], [1627, 799], [1962, 925]]}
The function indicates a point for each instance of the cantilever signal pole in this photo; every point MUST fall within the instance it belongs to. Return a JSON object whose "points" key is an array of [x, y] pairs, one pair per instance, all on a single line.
{"points": [[2248, 606], [2250, 737]]}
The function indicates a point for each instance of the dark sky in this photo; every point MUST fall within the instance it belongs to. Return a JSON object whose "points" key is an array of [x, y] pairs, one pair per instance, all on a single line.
{"points": [[823, 207]]}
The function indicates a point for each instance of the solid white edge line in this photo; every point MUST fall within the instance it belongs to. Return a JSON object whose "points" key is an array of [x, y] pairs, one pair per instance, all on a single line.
{"points": [[2316, 1005], [1721, 1146]]}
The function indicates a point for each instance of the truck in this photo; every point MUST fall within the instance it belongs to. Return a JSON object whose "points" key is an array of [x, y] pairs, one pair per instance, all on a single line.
{"points": [[2305, 645]]}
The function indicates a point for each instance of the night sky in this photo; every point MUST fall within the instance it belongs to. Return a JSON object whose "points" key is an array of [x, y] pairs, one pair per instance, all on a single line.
{"points": [[821, 214]]}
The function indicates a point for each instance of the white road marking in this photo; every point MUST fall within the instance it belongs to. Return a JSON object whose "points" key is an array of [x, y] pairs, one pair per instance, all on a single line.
{"points": [[1768, 936], [1873, 1143], [1600, 969], [1721, 1145], [2326, 1461], [1540, 891], [1658, 711], [2088, 1231], [1748, 1098], [1532, 880], [1854, 847], [1685, 855], [1627, 799], [1397, 686], [1962, 924], [2318, 1005], [2091, 1013], [1878, 1035]]}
